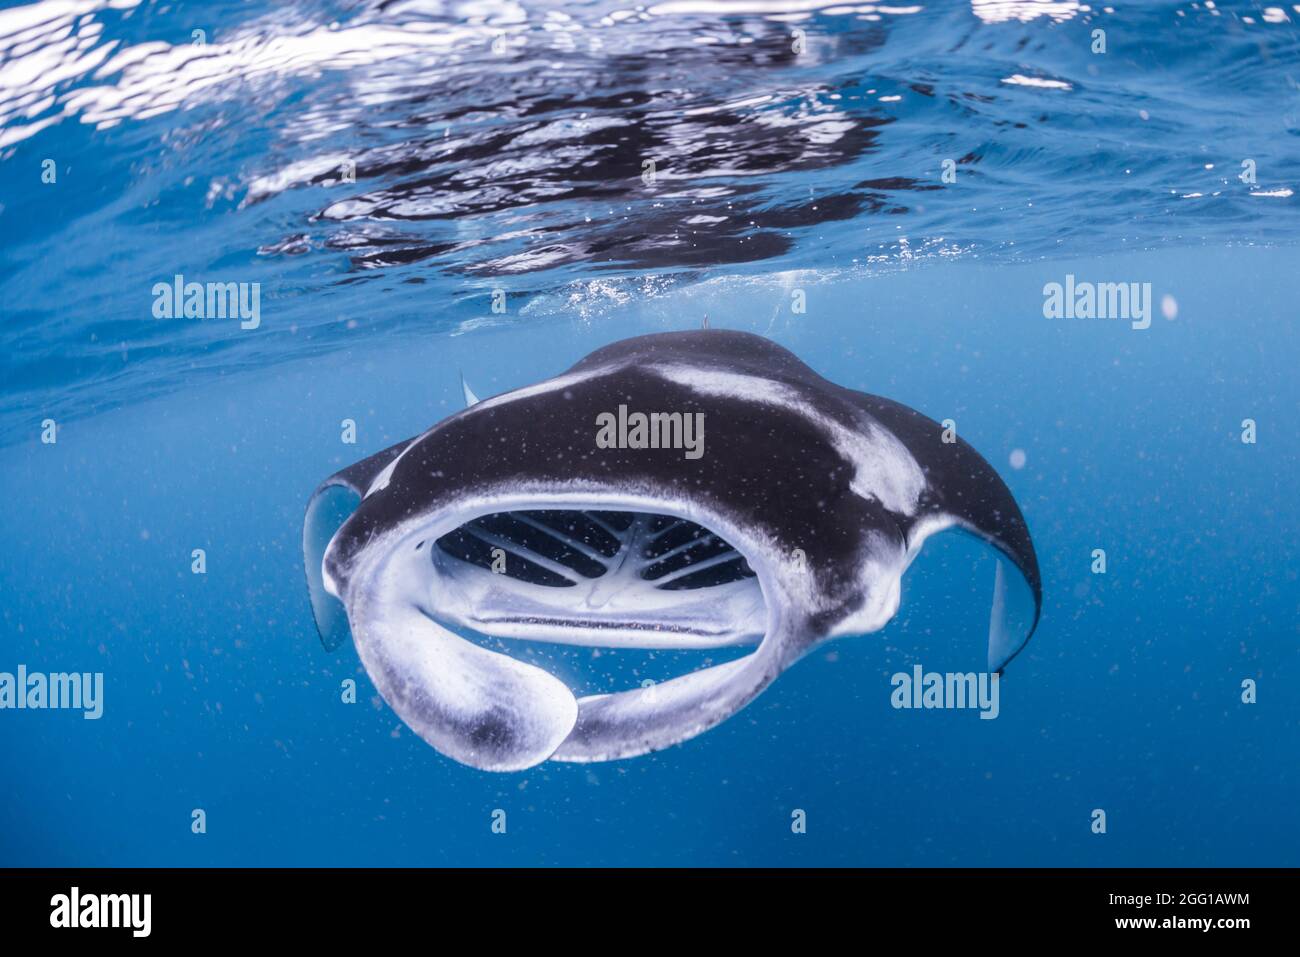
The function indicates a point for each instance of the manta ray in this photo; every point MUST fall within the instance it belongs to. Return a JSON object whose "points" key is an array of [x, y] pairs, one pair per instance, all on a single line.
{"points": [[792, 527]]}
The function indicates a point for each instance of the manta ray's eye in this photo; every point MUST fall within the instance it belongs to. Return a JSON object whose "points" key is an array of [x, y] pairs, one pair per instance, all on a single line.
{"points": [[563, 549]]}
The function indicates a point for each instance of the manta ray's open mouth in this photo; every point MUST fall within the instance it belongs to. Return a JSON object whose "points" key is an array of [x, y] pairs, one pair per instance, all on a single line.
{"points": [[551, 565], [598, 577]]}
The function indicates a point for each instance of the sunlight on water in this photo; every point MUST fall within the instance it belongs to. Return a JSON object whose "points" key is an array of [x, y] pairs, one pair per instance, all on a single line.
{"points": [[421, 154]]}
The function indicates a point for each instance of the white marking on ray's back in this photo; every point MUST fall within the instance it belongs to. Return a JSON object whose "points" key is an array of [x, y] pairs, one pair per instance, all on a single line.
{"points": [[477, 405], [541, 388], [381, 480], [884, 469]]}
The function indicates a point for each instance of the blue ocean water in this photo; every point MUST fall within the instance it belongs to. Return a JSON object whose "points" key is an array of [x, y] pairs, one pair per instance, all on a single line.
{"points": [[383, 169]]}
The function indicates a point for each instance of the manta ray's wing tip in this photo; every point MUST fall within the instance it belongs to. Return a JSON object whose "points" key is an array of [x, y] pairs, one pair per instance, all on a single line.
{"points": [[1015, 601]]}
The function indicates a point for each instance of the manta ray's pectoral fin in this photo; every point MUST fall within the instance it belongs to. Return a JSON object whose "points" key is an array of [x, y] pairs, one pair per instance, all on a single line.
{"points": [[965, 492], [1016, 603], [330, 505], [1003, 634]]}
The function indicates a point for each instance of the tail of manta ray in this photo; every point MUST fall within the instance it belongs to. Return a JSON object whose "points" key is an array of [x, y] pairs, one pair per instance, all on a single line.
{"points": [[397, 547]]}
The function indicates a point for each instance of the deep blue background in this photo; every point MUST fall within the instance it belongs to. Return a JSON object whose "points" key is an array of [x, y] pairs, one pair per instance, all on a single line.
{"points": [[219, 695]]}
